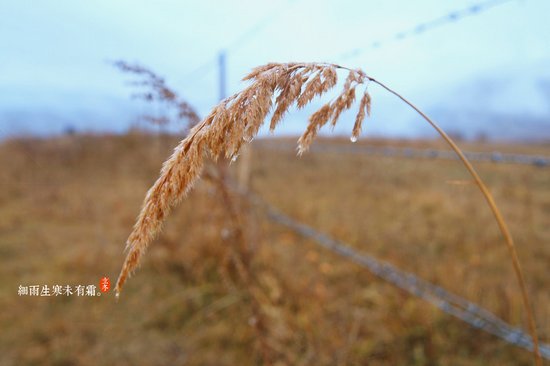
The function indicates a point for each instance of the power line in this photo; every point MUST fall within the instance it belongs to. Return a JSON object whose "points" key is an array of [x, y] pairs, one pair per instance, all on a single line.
{"points": [[209, 65], [452, 17], [201, 71], [421, 28], [252, 31]]}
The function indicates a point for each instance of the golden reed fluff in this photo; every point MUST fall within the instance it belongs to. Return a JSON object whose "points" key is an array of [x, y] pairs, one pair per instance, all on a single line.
{"points": [[237, 119]]}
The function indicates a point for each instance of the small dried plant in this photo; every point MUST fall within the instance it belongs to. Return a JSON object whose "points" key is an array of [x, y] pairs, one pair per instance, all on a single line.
{"points": [[156, 90], [237, 119], [236, 267]]}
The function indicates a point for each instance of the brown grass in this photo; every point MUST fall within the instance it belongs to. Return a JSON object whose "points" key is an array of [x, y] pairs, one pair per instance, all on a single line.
{"points": [[237, 119], [65, 203]]}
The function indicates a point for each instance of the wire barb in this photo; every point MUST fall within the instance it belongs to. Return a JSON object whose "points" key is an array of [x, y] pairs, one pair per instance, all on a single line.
{"points": [[470, 313]]}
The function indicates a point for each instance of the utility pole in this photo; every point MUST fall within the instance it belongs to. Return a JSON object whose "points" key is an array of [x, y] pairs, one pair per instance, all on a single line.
{"points": [[222, 161], [243, 168]]}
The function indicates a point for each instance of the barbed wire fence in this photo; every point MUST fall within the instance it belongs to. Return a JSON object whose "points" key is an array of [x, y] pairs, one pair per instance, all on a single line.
{"points": [[454, 16], [409, 152], [452, 304]]}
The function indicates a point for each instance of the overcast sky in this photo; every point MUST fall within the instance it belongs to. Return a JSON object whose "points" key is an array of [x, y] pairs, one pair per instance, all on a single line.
{"points": [[54, 70]]}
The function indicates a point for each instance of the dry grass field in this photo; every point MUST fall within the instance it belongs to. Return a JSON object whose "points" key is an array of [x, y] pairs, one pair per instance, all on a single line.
{"points": [[67, 205]]}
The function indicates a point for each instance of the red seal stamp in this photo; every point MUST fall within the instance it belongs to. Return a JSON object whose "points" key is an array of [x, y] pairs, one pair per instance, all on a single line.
{"points": [[104, 284]]}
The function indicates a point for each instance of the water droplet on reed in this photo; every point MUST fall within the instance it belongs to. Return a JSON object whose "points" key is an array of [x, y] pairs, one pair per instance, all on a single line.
{"points": [[353, 138]]}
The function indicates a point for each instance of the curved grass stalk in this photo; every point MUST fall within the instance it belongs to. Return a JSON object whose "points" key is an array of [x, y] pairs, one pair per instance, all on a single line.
{"points": [[498, 217], [237, 119]]}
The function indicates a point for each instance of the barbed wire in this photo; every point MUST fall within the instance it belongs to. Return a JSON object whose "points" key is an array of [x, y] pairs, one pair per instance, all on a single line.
{"points": [[408, 152], [421, 28], [452, 304]]}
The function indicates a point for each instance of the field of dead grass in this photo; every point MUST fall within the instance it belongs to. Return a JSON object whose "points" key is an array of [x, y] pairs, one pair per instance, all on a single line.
{"points": [[67, 205]]}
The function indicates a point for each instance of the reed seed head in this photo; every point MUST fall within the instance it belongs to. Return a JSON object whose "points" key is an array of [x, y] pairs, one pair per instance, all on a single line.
{"points": [[235, 121]]}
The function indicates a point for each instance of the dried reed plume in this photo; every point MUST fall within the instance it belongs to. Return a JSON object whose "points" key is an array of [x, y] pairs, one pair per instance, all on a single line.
{"points": [[237, 119]]}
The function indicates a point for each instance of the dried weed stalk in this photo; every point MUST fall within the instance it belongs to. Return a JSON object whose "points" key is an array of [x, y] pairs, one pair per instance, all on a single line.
{"points": [[237, 119], [237, 265], [156, 90]]}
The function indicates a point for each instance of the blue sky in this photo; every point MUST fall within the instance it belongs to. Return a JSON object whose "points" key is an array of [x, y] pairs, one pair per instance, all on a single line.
{"points": [[489, 72]]}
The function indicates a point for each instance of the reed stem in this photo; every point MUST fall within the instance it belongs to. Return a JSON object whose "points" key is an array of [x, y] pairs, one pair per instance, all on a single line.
{"points": [[497, 214]]}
